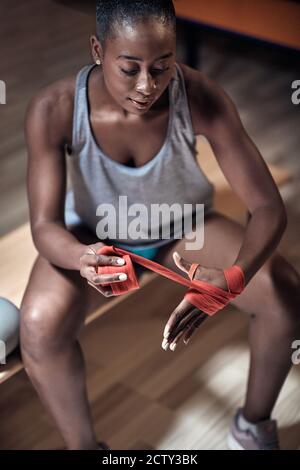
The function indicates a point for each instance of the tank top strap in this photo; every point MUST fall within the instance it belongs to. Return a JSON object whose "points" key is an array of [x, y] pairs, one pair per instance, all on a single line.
{"points": [[182, 108], [80, 108]]}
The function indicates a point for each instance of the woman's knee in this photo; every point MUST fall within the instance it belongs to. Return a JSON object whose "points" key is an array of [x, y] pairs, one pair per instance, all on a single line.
{"points": [[273, 293], [278, 297], [283, 275], [45, 330], [285, 282]]}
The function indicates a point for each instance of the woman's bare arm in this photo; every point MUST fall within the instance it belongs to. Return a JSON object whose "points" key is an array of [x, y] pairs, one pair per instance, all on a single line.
{"points": [[250, 178], [46, 122]]}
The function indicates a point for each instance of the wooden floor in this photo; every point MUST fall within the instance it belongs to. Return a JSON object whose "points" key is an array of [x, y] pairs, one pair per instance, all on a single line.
{"points": [[145, 398], [141, 396]]}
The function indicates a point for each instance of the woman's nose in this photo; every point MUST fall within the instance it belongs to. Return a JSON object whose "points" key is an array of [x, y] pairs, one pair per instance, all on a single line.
{"points": [[146, 86]]}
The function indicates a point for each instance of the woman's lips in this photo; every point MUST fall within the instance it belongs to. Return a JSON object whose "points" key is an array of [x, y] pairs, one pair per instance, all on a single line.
{"points": [[140, 104]]}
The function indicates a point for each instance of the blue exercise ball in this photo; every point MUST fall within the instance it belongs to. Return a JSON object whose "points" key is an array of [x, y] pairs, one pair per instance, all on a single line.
{"points": [[9, 327]]}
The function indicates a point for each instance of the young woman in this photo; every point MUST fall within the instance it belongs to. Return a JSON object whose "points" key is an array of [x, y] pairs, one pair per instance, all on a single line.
{"points": [[129, 122]]}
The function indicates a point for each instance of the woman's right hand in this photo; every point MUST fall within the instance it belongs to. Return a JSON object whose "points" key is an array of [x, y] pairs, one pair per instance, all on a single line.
{"points": [[89, 263]]}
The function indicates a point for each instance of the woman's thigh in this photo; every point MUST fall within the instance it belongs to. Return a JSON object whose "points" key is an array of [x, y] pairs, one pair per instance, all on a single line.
{"points": [[56, 300], [223, 238]]}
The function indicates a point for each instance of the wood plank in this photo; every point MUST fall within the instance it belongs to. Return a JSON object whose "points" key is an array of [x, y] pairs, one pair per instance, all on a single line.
{"points": [[225, 199]]}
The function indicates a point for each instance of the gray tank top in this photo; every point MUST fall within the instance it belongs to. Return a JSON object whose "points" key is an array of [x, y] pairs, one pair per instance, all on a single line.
{"points": [[173, 176]]}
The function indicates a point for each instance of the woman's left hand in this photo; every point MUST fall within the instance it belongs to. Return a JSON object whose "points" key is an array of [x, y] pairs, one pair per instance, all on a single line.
{"points": [[186, 317]]}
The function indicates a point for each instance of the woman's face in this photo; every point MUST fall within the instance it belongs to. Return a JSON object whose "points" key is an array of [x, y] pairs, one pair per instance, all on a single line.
{"points": [[138, 64]]}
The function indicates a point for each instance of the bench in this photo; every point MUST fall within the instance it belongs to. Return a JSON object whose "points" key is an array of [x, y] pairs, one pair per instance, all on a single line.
{"points": [[276, 22], [18, 245], [18, 252]]}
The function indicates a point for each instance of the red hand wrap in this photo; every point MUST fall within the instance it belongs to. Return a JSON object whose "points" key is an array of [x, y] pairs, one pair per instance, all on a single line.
{"points": [[206, 297]]}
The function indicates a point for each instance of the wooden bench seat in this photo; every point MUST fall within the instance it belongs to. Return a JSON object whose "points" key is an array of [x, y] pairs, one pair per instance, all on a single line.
{"points": [[18, 252], [18, 255]]}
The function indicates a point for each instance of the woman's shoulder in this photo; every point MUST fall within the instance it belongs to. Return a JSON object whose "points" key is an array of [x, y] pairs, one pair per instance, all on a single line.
{"points": [[53, 105], [205, 97]]}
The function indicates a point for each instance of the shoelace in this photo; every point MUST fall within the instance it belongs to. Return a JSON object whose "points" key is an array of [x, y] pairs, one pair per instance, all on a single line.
{"points": [[206, 297]]}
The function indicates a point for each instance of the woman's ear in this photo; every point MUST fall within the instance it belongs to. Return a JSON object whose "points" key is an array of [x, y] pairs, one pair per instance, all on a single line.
{"points": [[96, 49]]}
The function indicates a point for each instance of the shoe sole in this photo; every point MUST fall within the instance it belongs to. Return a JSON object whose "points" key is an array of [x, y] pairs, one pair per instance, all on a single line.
{"points": [[233, 444]]}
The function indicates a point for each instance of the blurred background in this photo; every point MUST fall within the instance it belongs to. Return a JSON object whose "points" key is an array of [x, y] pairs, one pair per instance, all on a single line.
{"points": [[252, 50]]}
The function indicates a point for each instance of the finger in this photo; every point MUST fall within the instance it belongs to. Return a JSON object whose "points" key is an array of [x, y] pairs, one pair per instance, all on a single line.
{"points": [[94, 259], [176, 316], [106, 291], [180, 329], [182, 264], [108, 278], [188, 330], [181, 321], [184, 322], [173, 344], [192, 328], [110, 260]]}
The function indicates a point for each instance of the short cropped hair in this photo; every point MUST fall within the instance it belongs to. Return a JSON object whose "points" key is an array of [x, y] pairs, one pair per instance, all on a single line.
{"points": [[110, 13]]}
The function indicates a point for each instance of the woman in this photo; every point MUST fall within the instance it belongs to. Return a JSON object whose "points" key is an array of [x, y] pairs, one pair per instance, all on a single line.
{"points": [[129, 122]]}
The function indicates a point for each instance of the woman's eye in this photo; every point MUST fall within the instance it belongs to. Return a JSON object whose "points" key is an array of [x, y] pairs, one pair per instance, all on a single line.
{"points": [[129, 72], [159, 71], [154, 71]]}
